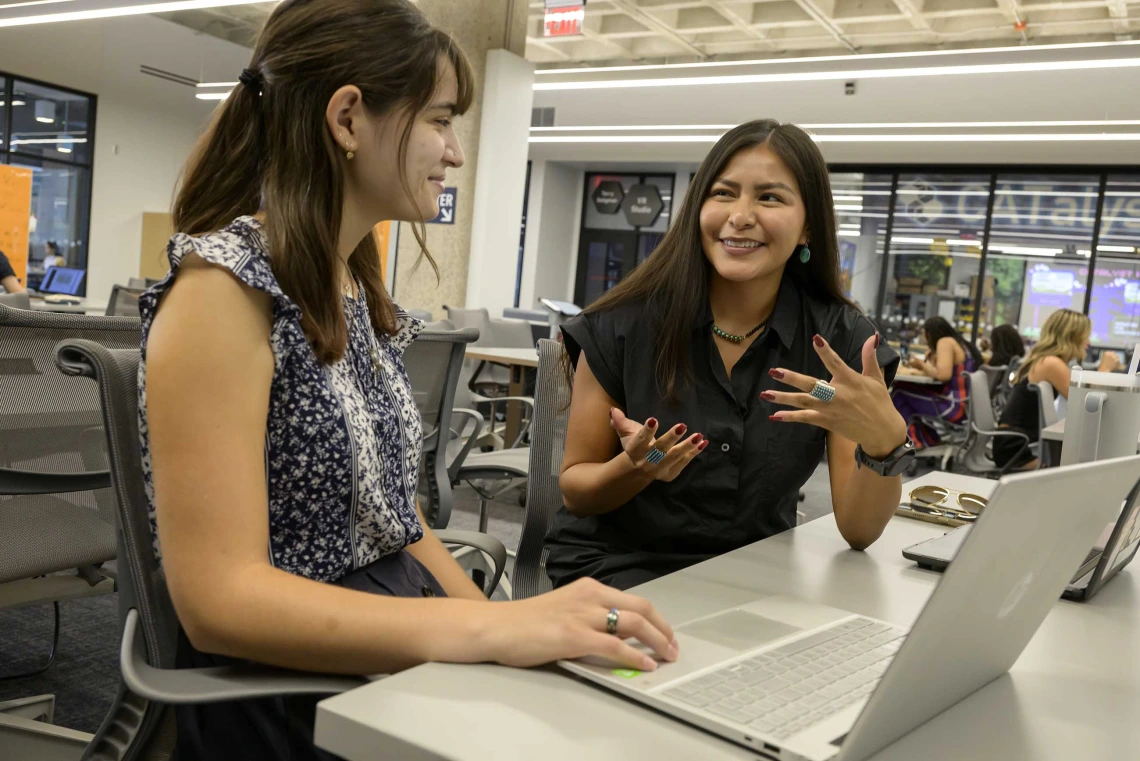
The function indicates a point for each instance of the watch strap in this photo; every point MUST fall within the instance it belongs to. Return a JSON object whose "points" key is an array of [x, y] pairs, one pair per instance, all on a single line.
{"points": [[891, 465]]}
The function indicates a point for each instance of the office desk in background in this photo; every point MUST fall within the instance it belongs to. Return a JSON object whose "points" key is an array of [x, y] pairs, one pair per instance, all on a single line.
{"points": [[1073, 694], [918, 380], [84, 307], [517, 360]]}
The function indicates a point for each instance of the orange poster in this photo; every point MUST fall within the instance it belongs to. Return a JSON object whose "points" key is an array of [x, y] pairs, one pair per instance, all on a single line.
{"points": [[382, 231], [15, 211]]}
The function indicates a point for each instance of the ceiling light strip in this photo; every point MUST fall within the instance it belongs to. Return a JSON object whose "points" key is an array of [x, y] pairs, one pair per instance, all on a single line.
{"points": [[821, 76], [97, 13], [854, 125], [1040, 137]]}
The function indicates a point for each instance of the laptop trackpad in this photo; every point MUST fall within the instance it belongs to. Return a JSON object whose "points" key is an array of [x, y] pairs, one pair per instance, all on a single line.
{"points": [[738, 629]]}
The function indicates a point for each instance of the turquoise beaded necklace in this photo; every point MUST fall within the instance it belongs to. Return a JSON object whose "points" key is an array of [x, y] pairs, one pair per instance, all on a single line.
{"points": [[735, 338]]}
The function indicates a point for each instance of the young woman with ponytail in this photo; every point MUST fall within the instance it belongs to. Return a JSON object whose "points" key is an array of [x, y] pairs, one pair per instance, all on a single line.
{"points": [[280, 439]]}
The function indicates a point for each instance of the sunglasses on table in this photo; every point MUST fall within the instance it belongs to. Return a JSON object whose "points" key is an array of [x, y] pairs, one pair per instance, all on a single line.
{"points": [[937, 504]]}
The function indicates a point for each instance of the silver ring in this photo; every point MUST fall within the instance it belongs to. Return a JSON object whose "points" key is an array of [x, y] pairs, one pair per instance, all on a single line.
{"points": [[612, 621], [655, 456], [823, 391]]}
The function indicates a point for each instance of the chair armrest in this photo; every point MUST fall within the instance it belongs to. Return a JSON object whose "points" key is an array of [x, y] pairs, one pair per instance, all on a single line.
{"points": [[24, 482], [213, 685], [526, 401], [484, 543], [1001, 432], [454, 466]]}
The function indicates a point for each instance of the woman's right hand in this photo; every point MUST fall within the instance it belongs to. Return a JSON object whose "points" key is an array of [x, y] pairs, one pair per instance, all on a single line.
{"points": [[637, 441], [570, 622]]}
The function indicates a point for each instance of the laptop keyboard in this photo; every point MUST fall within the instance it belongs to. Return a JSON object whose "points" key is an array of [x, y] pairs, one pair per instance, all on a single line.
{"points": [[783, 691]]}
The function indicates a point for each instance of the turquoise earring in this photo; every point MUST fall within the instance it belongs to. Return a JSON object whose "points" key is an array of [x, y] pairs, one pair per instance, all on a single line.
{"points": [[805, 254]]}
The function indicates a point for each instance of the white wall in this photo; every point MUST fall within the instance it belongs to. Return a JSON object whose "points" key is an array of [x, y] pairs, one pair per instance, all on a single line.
{"points": [[553, 214], [144, 126]]}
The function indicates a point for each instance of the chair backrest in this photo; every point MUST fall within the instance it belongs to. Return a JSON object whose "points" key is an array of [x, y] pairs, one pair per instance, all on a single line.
{"points": [[994, 376], [433, 362], [1046, 403], [16, 300], [50, 422], [512, 334], [543, 495], [980, 413], [124, 301], [141, 582], [479, 319], [525, 314], [421, 314]]}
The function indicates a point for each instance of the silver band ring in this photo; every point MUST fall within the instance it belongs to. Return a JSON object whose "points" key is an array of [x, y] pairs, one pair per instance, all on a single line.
{"points": [[612, 621], [655, 456], [823, 391]]}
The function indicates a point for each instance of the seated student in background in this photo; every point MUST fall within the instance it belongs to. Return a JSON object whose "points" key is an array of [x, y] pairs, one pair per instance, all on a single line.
{"points": [[691, 430], [52, 257], [280, 439], [1064, 342], [1006, 343], [950, 359], [8, 277]]}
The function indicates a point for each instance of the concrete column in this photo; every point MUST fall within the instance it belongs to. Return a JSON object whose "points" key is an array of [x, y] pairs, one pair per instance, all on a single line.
{"points": [[493, 35]]}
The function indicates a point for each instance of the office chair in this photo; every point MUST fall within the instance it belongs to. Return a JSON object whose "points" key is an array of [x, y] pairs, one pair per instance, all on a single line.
{"points": [[56, 512], [138, 725], [16, 300], [543, 494], [124, 301], [1046, 416], [975, 456]]}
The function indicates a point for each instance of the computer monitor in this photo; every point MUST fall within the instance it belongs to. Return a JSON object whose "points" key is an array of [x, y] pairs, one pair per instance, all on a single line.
{"points": [[62, 280], [124, 302]]}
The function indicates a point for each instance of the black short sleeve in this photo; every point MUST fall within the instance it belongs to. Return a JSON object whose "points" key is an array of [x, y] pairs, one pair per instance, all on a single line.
{"points": [[6, 267], [598, 335], [860, 330]]}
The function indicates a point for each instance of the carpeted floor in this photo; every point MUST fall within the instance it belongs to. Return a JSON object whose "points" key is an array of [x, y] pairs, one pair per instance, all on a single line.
{"points": [[84, 677]]}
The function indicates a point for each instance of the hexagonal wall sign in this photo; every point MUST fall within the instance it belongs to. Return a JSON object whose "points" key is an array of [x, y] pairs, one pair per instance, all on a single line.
{"points": [[608, 197], [642, 205]]}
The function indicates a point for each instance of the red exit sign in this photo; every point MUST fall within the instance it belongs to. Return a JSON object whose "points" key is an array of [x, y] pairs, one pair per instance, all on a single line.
{"points": [[564, 21]]}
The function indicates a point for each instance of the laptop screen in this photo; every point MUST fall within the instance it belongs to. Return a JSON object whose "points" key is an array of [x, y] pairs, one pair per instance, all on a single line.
{"points": [[63, 280]]}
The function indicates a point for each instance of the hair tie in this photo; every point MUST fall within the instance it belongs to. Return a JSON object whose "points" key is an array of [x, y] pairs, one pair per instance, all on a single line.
{"points": [[251, 79]]}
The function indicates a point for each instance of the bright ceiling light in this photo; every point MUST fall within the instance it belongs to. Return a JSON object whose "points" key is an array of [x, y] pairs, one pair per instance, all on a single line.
{"points": [[14, 103], [1118, 249], [1039, 137], [822, 76], [94, 9], [45, 112], [235, 84], [47, 140], [837, 125], [825, 59], [212, 95], [850, 233], [848, 199], [62, 149]]}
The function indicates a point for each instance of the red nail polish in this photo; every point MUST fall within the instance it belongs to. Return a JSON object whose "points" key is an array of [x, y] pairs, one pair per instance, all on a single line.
{"points": [[878, 340], [818, 341], [652, 422], [698, 439], [777, 374], [680, 429], [768, 396], [775, 418], [701, 448]]}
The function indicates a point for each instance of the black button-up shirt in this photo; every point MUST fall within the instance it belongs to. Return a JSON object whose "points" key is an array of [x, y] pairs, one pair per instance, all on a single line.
{"points": [[744, 486]]}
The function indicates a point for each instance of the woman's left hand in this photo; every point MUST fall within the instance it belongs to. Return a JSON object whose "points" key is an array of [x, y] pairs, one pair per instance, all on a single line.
{"points": [[861, 410]]}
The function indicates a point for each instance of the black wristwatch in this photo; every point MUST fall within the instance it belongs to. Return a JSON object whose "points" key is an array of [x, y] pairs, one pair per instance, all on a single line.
{"points": [[891, 465]]}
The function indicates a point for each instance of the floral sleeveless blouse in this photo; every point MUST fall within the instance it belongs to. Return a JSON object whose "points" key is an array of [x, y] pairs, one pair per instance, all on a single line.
{"points": [[343, 441]]}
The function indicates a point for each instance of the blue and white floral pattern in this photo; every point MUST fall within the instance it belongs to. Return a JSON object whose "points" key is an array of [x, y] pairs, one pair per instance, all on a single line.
{"points": [[343, 441]]}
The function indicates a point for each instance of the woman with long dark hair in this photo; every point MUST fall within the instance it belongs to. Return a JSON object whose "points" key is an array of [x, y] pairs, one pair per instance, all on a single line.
{"points": [[1007, 345], [949, 360], [280, 439], [709, 382]]}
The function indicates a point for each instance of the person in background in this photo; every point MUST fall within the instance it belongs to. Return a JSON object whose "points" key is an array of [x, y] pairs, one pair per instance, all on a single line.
{"points": [[692, 422], [1006, 343], [8, 277], [280, 439], [1064, 342], [52, 257], [949, 359]]}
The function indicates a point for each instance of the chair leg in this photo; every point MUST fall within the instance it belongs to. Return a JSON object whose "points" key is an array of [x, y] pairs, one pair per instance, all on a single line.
{"points": [[51, 655], [484, 515]]}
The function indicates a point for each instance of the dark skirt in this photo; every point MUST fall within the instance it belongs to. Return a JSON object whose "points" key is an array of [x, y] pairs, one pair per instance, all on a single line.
{"points": [[280, 729]]}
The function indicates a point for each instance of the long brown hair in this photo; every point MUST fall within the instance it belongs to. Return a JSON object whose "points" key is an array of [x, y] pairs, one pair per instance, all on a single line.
{"points": [[1061, 336], [673, 282], [269, 148]]}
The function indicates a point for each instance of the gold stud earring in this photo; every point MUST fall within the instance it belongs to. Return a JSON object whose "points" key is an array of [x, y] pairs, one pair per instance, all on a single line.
{"points": [[349, 155]]}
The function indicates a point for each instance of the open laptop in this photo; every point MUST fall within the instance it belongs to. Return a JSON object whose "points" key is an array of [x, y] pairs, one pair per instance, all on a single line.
{"points": [[61, 285], [1113, 550], [798, 681]]}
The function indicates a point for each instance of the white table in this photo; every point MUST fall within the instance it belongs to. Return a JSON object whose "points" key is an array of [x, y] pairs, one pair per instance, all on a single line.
{"points": [[84, 307], [517, 360], [1073, 694], [920, 380]]}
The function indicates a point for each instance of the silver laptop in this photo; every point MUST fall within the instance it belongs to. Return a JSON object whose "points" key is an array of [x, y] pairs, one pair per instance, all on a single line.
{"points": [[796, 680]]}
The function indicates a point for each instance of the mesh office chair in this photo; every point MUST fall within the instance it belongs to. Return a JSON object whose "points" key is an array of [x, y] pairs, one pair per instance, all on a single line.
{"points": [[139, 726], [124, 301], [56, 508], [976, 456], [16, 300], [543, 495]]}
